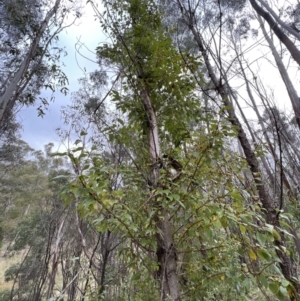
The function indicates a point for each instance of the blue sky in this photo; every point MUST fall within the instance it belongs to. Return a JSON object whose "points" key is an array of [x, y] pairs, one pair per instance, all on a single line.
{"points": [[38, 131]]}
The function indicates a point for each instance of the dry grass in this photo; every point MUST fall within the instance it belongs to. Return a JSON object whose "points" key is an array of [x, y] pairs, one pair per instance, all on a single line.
{"points": [[5, 263], [14, 258]]}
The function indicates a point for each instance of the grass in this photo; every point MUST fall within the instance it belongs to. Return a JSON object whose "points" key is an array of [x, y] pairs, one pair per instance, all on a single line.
{"points": [[5, 263]]}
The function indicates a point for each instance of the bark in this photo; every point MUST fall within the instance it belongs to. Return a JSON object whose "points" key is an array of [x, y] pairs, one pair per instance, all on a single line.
{"points": [[286, 180], [8, 99], [263, 159], [284, 75], [264, 130], [55, 259], [296, 240], [88, 278], [249, 154], [43, 258], [288, 28], [287, 267], [166, 254], [105, 250], [284, 39], [72, 275]]}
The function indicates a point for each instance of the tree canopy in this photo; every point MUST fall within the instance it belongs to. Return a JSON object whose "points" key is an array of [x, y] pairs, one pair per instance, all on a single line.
{"points": [[182, 182]]}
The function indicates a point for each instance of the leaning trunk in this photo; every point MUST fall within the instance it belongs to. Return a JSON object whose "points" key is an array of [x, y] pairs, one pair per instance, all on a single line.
{"points": [[272, 216], [8, 99], [284, 39], [284, 75], [166, 255]]}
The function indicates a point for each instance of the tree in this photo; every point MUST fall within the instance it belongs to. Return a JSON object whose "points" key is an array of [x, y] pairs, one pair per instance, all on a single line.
{"points": [[284, 74], [29, 67], [171, 190], [145, 77], [292, 48], [174, 212]]}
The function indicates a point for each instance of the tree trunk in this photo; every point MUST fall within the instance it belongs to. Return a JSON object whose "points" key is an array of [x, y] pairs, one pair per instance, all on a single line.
{"points": [[295, 53], [8, 99], [166, 254], [272, 217], [288, 28], [284, 75], [270, 175], [55, 260]]}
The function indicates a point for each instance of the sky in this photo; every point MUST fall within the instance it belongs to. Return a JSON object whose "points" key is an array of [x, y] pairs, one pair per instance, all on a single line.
{"points": [[38, 131]]}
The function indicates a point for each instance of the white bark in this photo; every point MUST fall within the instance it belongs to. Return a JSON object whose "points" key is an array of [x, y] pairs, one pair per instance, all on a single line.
{"points": [[166, 254], [289, 29], [153, 138], [284, 75], [287, 266], [7, 100], [56, 254]]}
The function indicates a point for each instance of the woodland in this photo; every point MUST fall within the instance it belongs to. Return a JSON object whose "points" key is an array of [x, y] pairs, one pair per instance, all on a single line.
{"points": [[179, 176]]}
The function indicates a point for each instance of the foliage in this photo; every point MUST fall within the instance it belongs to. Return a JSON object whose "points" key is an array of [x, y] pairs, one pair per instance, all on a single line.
{"points": [[88, 220], [211, 214], [147, 57]]}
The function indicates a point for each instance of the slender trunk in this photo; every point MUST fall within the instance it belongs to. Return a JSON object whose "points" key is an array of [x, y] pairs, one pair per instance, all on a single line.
{"points": [[272, 217], [43, 257], [71, 279], [295, 53], [166, 254], [249, 154], [284, 75], [283, 134], [286, 27], [261, 121], [88, 278], [263, 159], [7, 100], [105, 249], [55, 259]]}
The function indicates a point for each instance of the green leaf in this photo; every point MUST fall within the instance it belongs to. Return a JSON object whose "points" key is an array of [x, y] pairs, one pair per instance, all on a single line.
{"points": [[59, 154], [243, 228], [276, 235], [77, 149], [174, 196], [274, 287], [282, 293], [264, 254], [261, 238], [236, 195], [264, 281], [247, 284], [285, 283], [120, 121], [224, 221]]}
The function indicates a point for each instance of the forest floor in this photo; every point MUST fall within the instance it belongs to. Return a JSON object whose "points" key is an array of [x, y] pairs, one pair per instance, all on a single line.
{"points": [[6, 261]]}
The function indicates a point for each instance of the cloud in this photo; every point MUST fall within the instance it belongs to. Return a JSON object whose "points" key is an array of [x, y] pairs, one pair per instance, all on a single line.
{"points": [[38, 131]]}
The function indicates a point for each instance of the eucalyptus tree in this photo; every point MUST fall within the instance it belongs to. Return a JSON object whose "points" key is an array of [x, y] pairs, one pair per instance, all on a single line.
{"points": [[39, 225], [27, 30], [150, 82], [206, 21], [280, 28], [181, 209], [283, 72]]}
